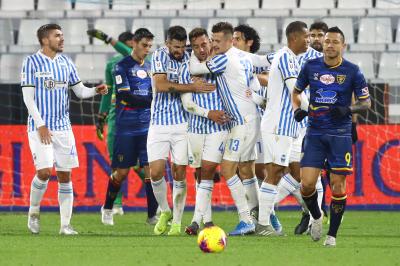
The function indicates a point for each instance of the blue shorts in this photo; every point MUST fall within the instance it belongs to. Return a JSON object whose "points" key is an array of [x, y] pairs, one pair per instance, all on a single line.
{"points": [[337, 150], [128, 150]]}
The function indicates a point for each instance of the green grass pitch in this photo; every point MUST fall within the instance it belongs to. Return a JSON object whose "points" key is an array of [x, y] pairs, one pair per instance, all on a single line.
{"points": [[365, 238]]}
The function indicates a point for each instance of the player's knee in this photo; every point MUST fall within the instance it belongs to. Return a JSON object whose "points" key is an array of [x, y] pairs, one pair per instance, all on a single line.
{"points": [[44, 174], [180, 172], [121, 174], [338, 187], [207, 172]]}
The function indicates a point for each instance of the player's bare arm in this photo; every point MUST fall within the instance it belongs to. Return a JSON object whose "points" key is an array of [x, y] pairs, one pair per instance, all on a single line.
{"points": [[163, 85]]}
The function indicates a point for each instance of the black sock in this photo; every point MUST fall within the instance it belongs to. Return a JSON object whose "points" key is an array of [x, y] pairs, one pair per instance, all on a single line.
{"points": [[152, 204], [337, 208], [312, 205], [112, 191]]}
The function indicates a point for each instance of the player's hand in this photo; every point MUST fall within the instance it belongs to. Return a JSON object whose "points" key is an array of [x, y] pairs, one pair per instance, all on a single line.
{"points": [[354, 135], [340, 111], [218, 116], [102, 89], [202, 86], [98, 34], [44, 135], [100, 122], [299, 114]]}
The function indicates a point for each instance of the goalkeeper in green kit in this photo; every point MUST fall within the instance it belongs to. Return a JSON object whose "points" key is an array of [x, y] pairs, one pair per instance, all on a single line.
{"points": [[106, 115]]}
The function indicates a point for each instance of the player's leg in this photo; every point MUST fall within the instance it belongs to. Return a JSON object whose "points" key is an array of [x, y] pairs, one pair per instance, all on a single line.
{"points": [[195, 151], [340, 162], [233, 149], [179, 157], [158, 147], [117, 208], [250, 183], [66, 159], [43, 159], [261, 171], [312, 162], [277, 153]]}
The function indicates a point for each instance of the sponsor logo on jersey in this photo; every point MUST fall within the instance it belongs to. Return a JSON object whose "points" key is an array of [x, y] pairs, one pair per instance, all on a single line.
{"points": [[327, 96], [365, 91], [118, 79], [141, 73], [327, 79], [340, 78], [43, 74]]}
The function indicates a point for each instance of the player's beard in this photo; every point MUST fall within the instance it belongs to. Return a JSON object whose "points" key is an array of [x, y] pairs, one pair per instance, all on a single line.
{"points": [[317, 46]]}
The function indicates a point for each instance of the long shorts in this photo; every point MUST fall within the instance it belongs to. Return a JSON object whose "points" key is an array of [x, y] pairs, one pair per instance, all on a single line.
{"points": [[208, 147], [277, 148], [128, 150], [164, 140], [61, 152], [337, 150], [241, 140]]}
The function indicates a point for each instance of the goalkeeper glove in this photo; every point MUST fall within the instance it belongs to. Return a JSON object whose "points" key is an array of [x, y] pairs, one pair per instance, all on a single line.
{"points": [[98, 34], [340, 111], [299, 114], [100, 122], [354, 135]]}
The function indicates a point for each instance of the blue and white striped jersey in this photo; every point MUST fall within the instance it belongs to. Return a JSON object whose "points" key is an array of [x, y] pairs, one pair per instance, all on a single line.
{"points": [[51, 79], [211, 101], [234, 72], [166, 107], [263, 90], [278, 116]]}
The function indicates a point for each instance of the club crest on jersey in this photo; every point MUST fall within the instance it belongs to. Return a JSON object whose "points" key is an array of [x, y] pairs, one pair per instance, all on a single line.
{"points": [[316, 76], [340, 78], [326, 96], [327, 79], [49, 84], [283, 158]]}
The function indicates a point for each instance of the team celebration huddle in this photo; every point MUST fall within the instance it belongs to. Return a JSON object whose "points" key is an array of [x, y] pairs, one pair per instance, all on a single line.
{"points": [[271, 124]]}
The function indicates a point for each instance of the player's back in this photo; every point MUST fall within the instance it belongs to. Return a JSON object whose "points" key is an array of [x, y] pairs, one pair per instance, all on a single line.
{"points": [[278, 116], [132, 77], [51, 79], [166, 108], [233, 84]]}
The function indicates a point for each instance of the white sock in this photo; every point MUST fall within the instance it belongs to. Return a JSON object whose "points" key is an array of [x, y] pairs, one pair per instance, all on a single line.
{"points": [[196, 214], [160, 193], [239, 197], [203, 199], [320, 191], [66, 201], [268, 193], [252, 192], [38, 188], [300, 200], [179, 200], [286, 186]]}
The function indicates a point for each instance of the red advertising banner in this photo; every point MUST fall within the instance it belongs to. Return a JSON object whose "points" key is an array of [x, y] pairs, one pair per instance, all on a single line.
{"points": [[375, 183]]}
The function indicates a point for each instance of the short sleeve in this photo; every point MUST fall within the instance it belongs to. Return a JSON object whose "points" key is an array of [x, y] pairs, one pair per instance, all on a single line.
{"points": [[302, 79], [120, 78], [217, 64], [184, 74], [28, 73], [73, 74], [159, 62], [288, 66], [360, 86]]}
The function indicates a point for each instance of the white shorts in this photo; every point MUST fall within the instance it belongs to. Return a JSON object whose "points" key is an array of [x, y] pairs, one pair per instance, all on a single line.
{"points": [[61, 153], [241, 140], [165, 140], [277, 148], [295, 155], [260, 150], [208, 147]]}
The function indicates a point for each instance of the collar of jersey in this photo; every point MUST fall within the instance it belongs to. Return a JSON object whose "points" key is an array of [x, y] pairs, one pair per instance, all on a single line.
{"points": [[43, 55], [335, 66]]}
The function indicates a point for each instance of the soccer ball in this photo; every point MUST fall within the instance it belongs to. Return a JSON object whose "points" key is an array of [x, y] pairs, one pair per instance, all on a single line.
{"points": [[212, 239]]}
